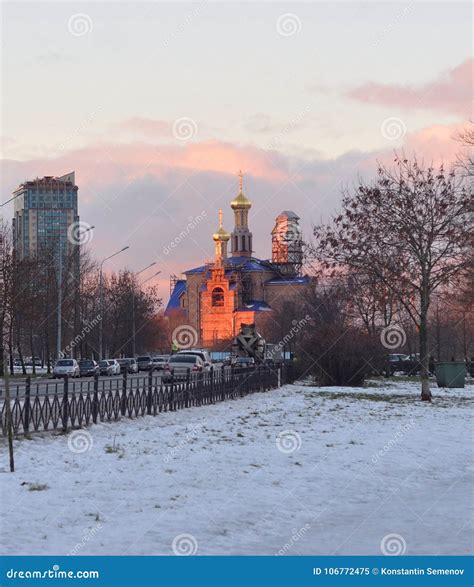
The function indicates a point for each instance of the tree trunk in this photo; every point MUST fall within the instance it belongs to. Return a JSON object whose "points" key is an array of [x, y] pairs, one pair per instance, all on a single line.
{"points": [[424, 357]]}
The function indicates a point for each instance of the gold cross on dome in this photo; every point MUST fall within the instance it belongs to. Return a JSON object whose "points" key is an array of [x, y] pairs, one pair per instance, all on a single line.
{"points": [[241, 180]]}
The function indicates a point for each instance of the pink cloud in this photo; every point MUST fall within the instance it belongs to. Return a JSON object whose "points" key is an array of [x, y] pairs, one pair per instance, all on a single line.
{"points": [[143, 195], [451, 92]]}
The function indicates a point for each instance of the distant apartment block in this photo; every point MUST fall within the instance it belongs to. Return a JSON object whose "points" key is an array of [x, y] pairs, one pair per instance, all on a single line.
{"points": [[44, 209]]}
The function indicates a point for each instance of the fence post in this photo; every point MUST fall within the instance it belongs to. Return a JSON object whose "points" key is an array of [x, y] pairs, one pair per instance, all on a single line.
{"points": [[279, 376], [65, 415], [232, 379], [149, 399], [171, 399], [95, 399], [26, 423], [124, 393], [186, 389], [212, 383], [223, 383]]}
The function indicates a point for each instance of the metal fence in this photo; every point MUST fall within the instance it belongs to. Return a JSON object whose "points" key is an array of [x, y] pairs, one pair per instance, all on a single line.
{"points": [[75, 404]]}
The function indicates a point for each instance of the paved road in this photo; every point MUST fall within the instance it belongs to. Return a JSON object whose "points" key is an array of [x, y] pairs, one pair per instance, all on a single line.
{"points": [[42, 386]]}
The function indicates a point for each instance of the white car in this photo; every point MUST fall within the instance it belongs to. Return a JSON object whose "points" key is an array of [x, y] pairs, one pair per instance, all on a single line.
{"points": [[179, 364], [202, 354], [158, 363], [115, 367], [65, 367]]}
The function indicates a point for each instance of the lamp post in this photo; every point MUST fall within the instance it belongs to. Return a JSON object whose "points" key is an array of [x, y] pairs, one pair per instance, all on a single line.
{"points": [[133, 305], [101, 300], [60, 296]]}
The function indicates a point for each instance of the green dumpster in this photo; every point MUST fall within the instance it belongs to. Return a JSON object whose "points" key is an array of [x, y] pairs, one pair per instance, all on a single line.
{"points": [[450, 374]]}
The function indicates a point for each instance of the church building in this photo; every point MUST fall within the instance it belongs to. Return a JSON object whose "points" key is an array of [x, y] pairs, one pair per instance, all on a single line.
{"points": [[215, 298]]}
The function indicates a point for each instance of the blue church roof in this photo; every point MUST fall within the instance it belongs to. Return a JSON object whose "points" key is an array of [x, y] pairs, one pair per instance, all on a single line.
{"points": [[288, 281], [244, 263], [254, 306], [179, 288]]}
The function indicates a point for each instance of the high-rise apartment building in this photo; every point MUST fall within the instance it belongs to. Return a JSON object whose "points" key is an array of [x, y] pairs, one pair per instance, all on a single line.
{"points": [[44, 210]]}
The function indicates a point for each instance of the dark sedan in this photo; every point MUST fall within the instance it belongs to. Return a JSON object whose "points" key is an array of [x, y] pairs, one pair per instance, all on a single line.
{"points": [[88, 368]]}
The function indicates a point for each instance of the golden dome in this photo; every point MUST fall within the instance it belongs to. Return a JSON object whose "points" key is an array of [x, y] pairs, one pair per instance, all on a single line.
{"points": [[241, 202], [221, 234]]}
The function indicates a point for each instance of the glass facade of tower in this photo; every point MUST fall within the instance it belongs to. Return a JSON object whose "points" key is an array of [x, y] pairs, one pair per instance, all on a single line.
{"points": [[44, 210]]}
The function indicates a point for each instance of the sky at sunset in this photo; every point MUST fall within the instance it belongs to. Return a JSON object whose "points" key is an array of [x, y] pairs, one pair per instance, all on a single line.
{"points": [[157, 106]]}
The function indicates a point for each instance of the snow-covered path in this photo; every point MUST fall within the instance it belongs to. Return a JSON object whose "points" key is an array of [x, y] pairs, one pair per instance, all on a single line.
{"points": [[297, 470]]}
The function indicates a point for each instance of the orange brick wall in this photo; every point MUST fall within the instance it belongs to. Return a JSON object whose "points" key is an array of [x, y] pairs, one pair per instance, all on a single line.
{"points": [[217, 321]]}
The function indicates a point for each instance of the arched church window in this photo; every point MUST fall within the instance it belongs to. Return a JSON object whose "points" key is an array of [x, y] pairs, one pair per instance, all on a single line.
{"points": [[243, 243], [218, 296], [236, 243]]}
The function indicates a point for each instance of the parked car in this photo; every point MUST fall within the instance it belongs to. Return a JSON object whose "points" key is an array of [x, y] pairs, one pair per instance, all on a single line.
{"points": [[88, 368], [244, 362], [201, 353], [158, 363], [144, 363], [128, 365], [406, 364], [396, 362], [65, 367], [114, 366], [178, 365], [29, 361], [105, 368]]}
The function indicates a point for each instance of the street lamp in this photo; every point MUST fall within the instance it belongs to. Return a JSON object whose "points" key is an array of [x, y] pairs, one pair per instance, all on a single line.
{"points": [[134, 329], [101, 299], [60, 287]]}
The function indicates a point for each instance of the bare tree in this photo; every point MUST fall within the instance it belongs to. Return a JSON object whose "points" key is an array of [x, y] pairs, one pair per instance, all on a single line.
{"points": [[466, 138], [413, 228]]}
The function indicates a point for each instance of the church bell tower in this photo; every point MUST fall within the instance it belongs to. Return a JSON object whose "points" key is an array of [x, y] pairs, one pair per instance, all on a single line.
{"points": [[241, 237]]}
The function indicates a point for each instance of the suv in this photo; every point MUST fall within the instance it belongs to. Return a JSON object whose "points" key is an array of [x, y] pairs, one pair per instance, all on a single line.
{"points": [[88, 367], [144, 363], [65, 367], [201, 353], [128, 365]]}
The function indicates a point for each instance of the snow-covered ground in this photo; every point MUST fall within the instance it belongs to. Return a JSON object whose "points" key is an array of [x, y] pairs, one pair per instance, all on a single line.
{"points": [[297, 470]]}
